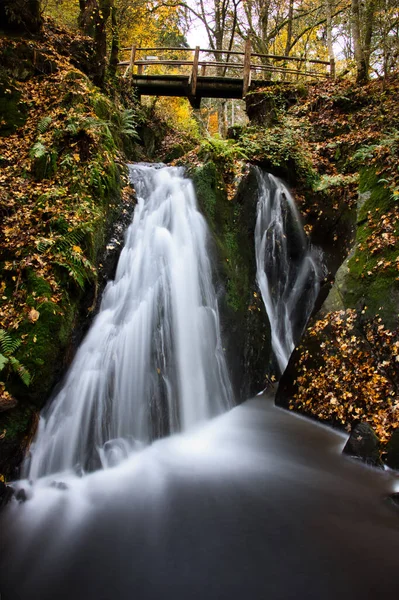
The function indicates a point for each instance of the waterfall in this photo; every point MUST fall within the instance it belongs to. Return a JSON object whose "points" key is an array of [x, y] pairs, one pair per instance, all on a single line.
{"points": [[152, 362], [288, 270]]}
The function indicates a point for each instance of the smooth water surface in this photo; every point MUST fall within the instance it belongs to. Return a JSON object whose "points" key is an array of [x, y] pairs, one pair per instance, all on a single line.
{"points": [[152, 362], [256, 504]]}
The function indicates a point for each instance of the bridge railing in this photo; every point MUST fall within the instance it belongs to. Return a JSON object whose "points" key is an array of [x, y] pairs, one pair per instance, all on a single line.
{"points": [[201, 62]]}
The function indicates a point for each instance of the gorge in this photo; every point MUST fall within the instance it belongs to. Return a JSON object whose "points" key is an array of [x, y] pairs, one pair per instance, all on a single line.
{"points": [[253, 502]]}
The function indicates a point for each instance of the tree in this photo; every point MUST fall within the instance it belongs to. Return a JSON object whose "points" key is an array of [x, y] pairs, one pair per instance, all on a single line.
{"points": [[93, 20], [21, 16], [362, 19]]}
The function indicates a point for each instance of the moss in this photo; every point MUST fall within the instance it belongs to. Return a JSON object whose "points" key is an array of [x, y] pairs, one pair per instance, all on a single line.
{"points": [[223, 217], [380, 197], [13, 112], [370, 281], [15, 422]]}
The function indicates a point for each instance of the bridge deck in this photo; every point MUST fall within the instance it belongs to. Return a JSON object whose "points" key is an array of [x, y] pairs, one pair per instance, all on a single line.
{"points": [[196, 82], [180, 85]]}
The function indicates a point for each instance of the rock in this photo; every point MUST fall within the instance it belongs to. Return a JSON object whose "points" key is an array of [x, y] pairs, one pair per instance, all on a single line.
{"points": [[6, 400], [6, 493], [21, 496], [364, 445], [392, 458], [393, 500], [59, 485]]}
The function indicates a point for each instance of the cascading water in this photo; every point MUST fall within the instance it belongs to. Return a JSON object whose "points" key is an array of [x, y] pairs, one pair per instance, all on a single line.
{"points": [[152, 362], [256, 503], [288, 271]]}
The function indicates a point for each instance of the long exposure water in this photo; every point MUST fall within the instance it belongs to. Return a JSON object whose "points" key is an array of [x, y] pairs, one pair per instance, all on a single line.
{"points": [[152, 362], [288, 271], [254, 503]]}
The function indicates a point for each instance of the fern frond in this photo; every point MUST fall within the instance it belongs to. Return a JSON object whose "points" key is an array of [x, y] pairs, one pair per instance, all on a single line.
{"points": [[22, 371], [44, 124], [3, 361], [8, 345], [38, 150]]}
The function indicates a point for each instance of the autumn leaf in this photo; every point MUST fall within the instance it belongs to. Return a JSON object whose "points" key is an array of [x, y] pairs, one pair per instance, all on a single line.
{"points": [[33, 315]]}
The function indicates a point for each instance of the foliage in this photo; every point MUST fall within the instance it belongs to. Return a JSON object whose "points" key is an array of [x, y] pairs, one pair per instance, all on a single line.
{"points": [[8, 362], [356, 374], [60, 183]]}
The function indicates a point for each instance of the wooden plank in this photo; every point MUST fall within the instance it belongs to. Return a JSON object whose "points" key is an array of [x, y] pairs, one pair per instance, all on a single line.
{"points": [[222, 64], [194, 72], [271, 69], [171, 48], [247, 68], [293, 58], [131, 62], [229, 52], [163, 62]]}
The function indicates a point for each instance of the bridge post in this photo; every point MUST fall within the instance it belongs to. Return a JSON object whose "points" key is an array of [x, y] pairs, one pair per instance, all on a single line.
{"points": [[129, 70], [194, 72], [247, 68]]}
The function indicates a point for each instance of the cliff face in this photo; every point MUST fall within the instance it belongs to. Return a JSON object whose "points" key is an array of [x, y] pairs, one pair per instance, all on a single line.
{"points": [[346, 368], [228, 202]]}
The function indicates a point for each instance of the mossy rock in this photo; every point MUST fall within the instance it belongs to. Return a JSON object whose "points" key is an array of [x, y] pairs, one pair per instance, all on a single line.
{"points": [[244, 323], [13, 112], [392, 449], [365, 283], [16, 428]]}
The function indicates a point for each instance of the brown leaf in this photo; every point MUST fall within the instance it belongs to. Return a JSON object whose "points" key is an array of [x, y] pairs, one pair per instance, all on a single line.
{"points": [[33, 315]]}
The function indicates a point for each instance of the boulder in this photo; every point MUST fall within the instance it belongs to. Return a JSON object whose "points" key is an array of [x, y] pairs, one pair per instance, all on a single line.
{"points": [[364, 445], [6, 493], [392, 457]]}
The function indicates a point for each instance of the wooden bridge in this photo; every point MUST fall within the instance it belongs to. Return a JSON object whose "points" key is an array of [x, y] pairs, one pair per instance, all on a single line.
{"points": [[199, 75]]}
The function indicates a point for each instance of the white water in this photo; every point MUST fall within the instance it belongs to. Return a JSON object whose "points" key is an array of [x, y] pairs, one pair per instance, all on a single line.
{"points": [[256, 503], [152, 362], [288, 271]]}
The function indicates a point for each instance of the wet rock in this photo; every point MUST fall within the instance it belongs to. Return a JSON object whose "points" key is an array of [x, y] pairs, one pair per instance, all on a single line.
{"points": [[393, 500], [6, 493], [59, 485], [364, 445], [21, 496], [392, 458]]}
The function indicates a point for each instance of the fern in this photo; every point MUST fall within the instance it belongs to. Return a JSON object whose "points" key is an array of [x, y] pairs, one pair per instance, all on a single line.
{"points": [[44, 124], [8, 346], [38, 150], [3, 361], [18, 368]]}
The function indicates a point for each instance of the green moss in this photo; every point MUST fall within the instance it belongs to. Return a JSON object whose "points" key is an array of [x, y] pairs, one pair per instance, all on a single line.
{"points": [[15, 422], [13, 112], [223, 217], [366, 282], [380, 197]]}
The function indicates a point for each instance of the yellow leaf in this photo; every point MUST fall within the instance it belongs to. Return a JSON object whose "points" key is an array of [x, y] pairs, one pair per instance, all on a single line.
{"points": [[77, 249], [76, 157], [33, 315]]}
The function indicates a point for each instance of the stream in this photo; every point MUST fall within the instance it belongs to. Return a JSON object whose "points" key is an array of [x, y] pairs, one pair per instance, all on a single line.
{"points": [[143, 481]]}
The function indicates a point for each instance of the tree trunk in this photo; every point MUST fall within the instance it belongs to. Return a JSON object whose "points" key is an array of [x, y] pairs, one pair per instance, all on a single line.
{"points": [[93, 18], [357, 42], [21, 16], [362, 44], [114, 58], [330, 47], [222, 118]]}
